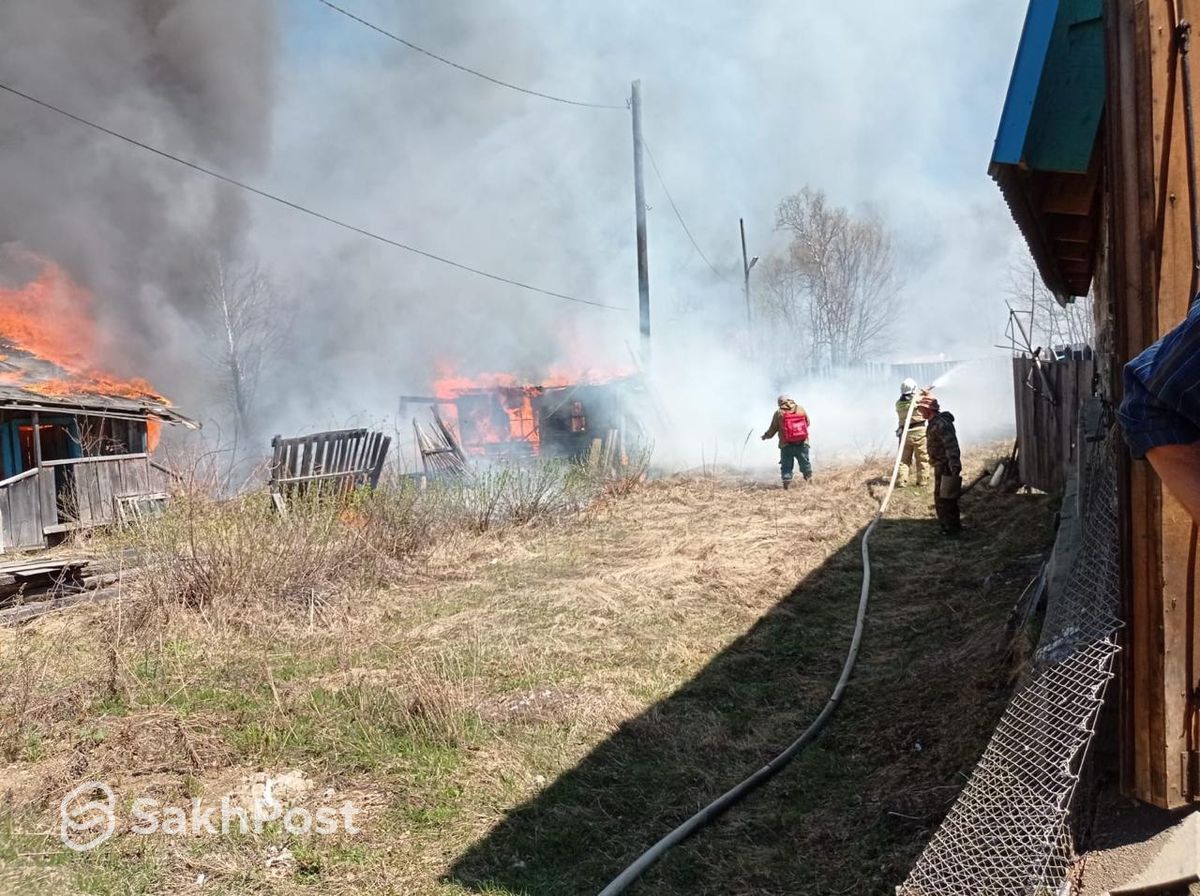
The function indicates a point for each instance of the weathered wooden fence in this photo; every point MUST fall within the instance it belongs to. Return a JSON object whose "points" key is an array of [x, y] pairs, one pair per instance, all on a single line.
{"points": [[1049, 395], [341, 459], [78, 493]]}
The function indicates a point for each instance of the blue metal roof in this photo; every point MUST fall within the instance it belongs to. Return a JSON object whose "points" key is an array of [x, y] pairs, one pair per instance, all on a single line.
{"points": [[1056, 94], [1045, 159], [1026, 78]]}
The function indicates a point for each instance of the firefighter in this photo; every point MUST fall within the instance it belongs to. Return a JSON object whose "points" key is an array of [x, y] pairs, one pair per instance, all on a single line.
{"points": [[790, 423], [942, 442], [914, 455]]}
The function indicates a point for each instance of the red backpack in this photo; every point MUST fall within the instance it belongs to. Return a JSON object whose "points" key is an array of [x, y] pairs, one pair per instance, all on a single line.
{"points": [[794, 426]]}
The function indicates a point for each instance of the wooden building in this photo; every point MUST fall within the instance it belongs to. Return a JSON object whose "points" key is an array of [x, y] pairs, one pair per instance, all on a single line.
{"points": [[72, 456], [1092, 157], [563, 421]]}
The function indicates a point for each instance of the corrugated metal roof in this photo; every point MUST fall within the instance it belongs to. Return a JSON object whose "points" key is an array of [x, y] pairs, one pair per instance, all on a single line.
{"points": [[31, 383]]}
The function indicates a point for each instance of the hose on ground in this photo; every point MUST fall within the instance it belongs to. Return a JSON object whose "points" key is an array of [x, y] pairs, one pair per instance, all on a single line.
{"points": [[714, 809]]}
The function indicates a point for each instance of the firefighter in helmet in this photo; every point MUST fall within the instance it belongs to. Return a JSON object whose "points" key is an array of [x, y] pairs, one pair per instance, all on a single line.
{"points": [[914, 456]]}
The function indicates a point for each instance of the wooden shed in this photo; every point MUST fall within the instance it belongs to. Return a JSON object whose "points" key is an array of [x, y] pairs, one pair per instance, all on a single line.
{"points": [[1091, 156], [73, 453]]}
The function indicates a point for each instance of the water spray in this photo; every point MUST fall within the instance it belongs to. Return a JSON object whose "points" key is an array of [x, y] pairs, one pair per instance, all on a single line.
{"points": [[944, 378]]}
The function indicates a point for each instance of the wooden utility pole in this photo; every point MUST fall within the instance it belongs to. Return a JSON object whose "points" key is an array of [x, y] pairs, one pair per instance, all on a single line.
{"points": [[745, 272], [639, 192], [746, 266]]}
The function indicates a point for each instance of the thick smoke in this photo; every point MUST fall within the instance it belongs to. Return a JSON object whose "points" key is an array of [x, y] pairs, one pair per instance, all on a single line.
{"points": [[194, 77], [741, 108], [879, 108]]}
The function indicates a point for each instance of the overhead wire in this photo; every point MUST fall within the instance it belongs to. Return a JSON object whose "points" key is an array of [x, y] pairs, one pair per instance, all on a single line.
{"points": [[546, 96], [463, 68], [216, 175], [675, 208]]}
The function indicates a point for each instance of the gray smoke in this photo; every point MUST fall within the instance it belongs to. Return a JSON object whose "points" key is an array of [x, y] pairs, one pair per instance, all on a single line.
{"points": [[194, 77], [878, 107]]}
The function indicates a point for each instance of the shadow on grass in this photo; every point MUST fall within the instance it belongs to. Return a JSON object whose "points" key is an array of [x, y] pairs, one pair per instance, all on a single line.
{"points": [[850, 814]]}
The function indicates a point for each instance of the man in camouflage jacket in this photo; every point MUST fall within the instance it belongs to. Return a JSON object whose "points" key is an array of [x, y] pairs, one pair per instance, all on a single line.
{"points": [[942, 443]]}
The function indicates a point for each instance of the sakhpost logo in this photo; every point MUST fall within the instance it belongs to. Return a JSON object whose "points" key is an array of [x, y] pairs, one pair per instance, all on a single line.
{"points": [[86, 822]]}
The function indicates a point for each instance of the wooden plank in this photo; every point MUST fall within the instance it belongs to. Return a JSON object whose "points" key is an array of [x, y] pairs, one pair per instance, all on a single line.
{"points": [[1071, 194], [380, 459], [26, 504], [374, 462], [1135, 173], [96, 459], [120, 482], [47, 497], [358, 451], [345, 454], [329, 447], [1170, 297], [360, 460], [7, 519], [306, 449], [108, 486]]}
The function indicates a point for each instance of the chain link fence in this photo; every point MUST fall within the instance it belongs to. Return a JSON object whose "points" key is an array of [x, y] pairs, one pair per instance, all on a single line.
{"points": [[1007, 832]]}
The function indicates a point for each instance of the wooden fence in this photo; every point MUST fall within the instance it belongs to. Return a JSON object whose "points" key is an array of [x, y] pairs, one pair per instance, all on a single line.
{"points": [[341, 459], [62, 495], [1049, 395]]}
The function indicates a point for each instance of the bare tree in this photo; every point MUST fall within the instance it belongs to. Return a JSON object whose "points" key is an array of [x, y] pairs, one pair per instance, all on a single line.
{"points": [[781, 302], [245, 331], [1048, 323], [844, 273]]}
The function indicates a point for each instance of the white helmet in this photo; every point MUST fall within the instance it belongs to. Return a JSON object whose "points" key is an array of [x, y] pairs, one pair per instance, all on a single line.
{"points": [[908, 387]]}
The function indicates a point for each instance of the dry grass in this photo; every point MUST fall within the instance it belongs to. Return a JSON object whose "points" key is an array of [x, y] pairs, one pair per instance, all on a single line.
{"points": [[524, 704]]}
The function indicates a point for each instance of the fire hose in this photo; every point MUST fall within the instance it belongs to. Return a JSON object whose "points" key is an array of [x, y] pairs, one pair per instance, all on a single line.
{"points": [[724, 802]]}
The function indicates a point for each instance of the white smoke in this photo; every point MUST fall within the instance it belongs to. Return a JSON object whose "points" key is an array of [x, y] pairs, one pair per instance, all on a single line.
{"points": [[877, 107]]}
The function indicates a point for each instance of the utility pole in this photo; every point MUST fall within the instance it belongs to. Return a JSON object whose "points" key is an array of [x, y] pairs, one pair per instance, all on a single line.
{"points": [[746, 266], [639, 195]]}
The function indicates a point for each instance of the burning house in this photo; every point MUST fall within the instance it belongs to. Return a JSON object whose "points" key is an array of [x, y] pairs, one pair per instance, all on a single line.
{"points": [[75, 444], [497, 417]]}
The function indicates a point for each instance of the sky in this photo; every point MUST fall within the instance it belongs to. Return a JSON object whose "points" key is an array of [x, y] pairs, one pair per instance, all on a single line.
{"points": [[881, 107]]}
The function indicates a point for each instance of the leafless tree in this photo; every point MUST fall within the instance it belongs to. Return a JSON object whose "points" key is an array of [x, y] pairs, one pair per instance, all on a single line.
{"points": [[781, 308], [1047, 323], [245, 330], [840, 273]]}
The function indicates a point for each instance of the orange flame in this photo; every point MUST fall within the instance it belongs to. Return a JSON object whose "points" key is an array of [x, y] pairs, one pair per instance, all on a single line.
{"points": [[153, 431], [50, 319], [497, 409]]}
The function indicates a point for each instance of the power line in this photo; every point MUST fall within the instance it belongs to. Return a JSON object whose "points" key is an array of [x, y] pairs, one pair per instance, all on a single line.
{"points": [[675, 208], [463, 68], [303, 209]]}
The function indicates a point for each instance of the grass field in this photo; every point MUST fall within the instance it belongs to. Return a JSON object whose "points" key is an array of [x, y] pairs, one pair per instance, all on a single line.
{"points": [[522, 710]]}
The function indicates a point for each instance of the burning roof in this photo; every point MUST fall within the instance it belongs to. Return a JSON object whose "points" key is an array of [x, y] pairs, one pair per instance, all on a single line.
{"points": [[496, 414], [47, 348]]}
